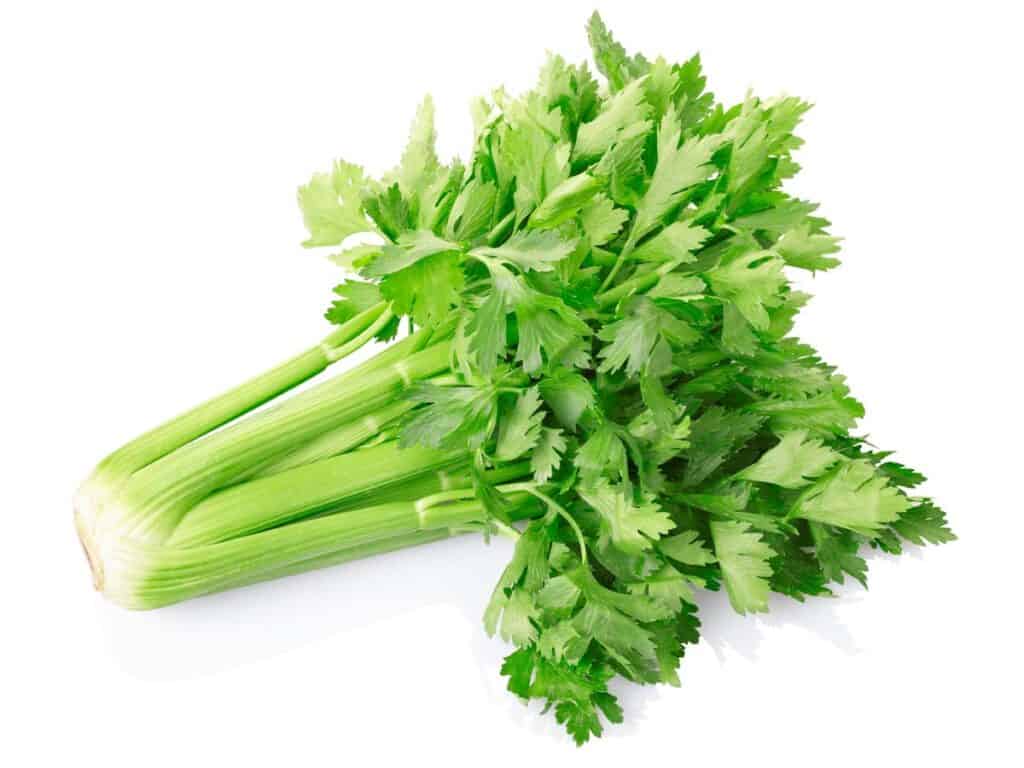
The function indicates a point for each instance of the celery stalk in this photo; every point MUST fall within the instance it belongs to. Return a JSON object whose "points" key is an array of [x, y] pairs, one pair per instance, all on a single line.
{"points": [[155, 498], [271, 501], [340, 440], [144, 576], [218, 411], [138, 495]]}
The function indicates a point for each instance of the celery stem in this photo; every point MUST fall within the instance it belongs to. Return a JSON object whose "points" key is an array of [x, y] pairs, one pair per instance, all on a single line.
{"points": [[157, 496], [218, 411]]}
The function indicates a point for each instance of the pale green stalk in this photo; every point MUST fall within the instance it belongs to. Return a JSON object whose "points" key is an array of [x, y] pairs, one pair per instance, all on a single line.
{"points": [[137, 495], [156, 497], [268, 502], [148, 576], [349, 435], [339, 440], [218, 411]]}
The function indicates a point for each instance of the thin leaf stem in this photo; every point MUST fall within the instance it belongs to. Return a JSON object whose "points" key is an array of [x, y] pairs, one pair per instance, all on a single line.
{"points": [[553, 505]]}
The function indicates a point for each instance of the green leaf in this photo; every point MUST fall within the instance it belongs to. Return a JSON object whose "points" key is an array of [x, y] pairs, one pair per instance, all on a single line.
{"points": [[355, 298], [744, 559], [527, 567], [678, 287], [809, 250], [623, 167], [427, 290], [679, 167], [622, 110], [632, 527], [332, 207], [723, 500], [666, 586], [554, 83], [631, 340], [580, 720], [419, 165], [419, 159], [528, 151], [473, 211], [796, 571], [548, 328], [660, 86], [664, 411], [671, 638], [924, 523], [692, 102], [555, 643], [547, 455], [784, 114], [412, 247], [532, 250], [738, 337], [451, 416], [569, 396], [601, 220], [836, 551], [488, 333], [520, 429], [784, 215], [831, 412], [517, 618], [518, 667], [357, 256], [750, 147], [437, 199], [853, 497], [714, 436], [559, 595], [752, 282], [565, 201], [389, 211], [905, 477], [624, 638], [676, 242], [686, 548], [793, 463], [602, 453], [612, 60], [578, 695]]}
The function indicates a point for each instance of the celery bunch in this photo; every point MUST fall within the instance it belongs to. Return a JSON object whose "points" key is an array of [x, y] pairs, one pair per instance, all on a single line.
{"points": [[598, 363]]}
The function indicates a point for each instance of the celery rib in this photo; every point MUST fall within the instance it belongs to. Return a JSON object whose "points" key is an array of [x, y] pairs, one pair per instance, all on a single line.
{"points": [[340, 440], [151, 577], [157, 496], [229, 405], [299, 492]]}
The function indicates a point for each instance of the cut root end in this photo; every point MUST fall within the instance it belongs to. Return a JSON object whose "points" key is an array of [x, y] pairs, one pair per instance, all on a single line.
{"points": [[83, 527]]}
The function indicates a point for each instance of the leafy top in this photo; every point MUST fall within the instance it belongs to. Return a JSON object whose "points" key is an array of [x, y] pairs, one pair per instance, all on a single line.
{"points": [[610, 268]]}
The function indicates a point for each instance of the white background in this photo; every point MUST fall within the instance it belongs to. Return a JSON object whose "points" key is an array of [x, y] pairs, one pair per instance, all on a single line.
{"points": [[148, 164]]}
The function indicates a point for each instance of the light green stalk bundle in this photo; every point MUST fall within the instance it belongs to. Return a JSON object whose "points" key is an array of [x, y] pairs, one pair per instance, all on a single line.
{"points": [[599, 364]]}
